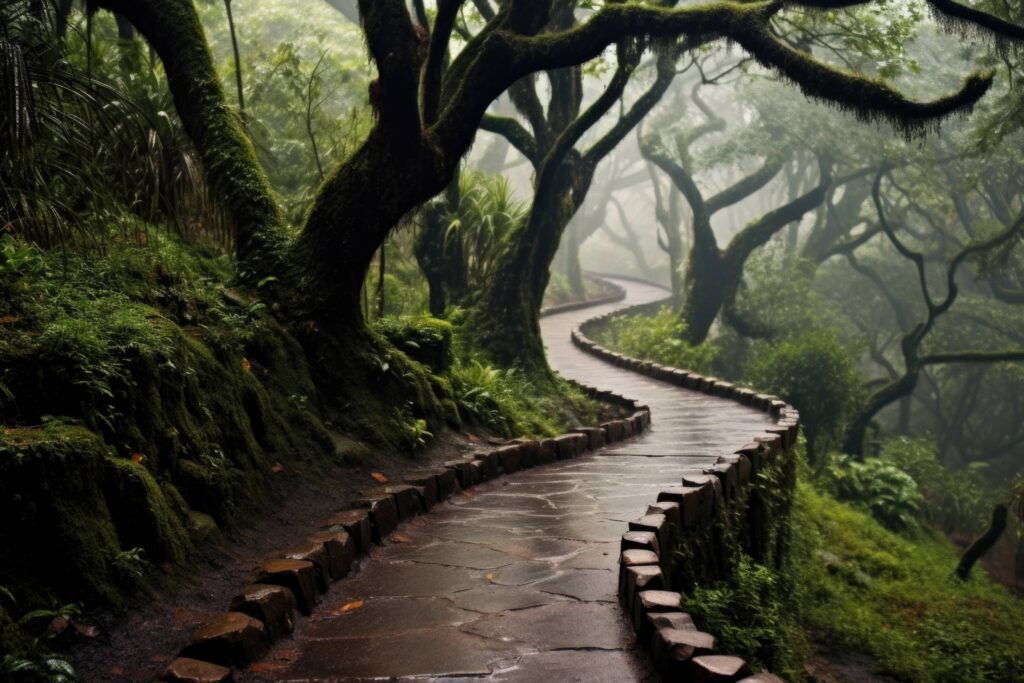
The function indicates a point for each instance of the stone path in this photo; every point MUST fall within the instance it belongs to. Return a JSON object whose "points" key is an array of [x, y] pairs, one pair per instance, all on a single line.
{"points": [[516, 579]]}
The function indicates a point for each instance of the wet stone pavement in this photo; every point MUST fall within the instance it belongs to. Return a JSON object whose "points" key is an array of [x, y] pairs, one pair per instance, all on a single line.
{"points": [[516, 580]]}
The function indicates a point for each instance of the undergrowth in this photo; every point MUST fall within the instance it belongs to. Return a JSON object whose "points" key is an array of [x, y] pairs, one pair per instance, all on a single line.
{"points": [[864, 588], [657, 338]]}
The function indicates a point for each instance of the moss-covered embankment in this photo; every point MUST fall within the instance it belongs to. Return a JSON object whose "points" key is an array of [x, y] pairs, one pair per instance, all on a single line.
{"points": [[143, 406]]}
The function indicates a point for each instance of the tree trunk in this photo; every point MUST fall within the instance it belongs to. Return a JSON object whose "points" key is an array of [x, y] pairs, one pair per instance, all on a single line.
{"points": [[173, 30], [506, 318], [705, 287], [884, 397], [573, 269], [983, 543]]}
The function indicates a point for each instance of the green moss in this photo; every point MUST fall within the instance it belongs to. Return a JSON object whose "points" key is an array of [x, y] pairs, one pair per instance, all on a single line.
{"points": [[58, 533], [866, 589], [141, 513], [424, 339], [174, 400]]}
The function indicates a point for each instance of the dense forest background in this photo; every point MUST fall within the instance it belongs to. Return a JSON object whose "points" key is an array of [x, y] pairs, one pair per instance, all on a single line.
{"points": [[240, 235]]}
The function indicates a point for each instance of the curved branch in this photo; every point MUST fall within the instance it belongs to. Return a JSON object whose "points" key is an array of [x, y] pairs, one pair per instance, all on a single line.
{"points": [[745, 187], [972, 357], [968, 16], [437, 56], [511, 130]]}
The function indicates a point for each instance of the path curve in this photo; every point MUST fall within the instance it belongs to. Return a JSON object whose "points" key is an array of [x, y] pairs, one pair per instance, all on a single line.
{"points": [[516, 580]]}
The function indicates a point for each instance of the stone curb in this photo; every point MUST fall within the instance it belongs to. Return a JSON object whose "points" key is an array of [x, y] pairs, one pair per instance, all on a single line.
{"points": [[678, 650], [264, 610]]}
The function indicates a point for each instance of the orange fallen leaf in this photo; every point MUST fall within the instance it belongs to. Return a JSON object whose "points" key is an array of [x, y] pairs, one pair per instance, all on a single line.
{"points": [[399, 537], [379, 477], [473, 438], [117, 670], [138, 457], [277, 468], [246, 365], [8, 319], [348, 607]]}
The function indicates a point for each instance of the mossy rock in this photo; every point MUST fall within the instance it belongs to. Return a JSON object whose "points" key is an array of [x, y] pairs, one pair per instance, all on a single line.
{"points": [[141, 513], [424, 339], [58, 534]]}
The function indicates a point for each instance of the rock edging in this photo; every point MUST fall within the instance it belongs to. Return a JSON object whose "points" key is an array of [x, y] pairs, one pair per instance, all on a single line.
{"points": [[264, 610], [692, 510]]}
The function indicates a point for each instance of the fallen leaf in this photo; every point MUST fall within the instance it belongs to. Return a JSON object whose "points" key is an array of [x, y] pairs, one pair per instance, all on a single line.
{"points": [[267, 667], [489, 577], [246, 365], [58, 625], [399, 537], [348, 607], [117, 670], [86, 630], [473, 438], [379, 477], [138, 457], [8, 319], [277, 468]]}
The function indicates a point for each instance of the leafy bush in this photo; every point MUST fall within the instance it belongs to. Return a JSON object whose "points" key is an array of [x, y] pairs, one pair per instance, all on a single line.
{"points": [[658, 338], [814, 373], [752, 615], [506, 402], [952, 501], [888, 492]]}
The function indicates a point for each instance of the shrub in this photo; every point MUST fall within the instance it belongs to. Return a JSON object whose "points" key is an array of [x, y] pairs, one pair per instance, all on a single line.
{"points": [[658, 338], [751, 615], [952, 501], [814, 373], [889, 493]]}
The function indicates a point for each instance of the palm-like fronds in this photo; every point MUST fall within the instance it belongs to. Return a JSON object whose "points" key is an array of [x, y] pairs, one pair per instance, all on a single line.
{"points": [[81, 155], [487, 214]]}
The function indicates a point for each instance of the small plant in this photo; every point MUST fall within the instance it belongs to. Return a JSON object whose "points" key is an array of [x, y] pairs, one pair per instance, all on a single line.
{"points": [[750, 616], [888, 492], [33, 661], [658, 338], [18, 257], [814, 373], [130, 563]]}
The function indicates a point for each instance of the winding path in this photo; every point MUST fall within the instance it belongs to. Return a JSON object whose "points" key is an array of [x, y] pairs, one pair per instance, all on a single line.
{"points": [[516, 580]]}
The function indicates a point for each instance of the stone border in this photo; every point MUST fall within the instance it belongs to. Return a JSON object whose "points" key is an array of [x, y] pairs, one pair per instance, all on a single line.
{"points": [[678, 650], [617, 295], [264, 610]]}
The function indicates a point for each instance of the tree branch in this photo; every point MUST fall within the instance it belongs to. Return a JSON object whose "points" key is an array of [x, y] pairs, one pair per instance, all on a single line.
{"points": [[513, 131]]}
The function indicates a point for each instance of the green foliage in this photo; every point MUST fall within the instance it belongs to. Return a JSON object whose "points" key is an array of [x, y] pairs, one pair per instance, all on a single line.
{"points": [[29, 645], [658, 338], [88, 144], [865, 589], [814, 373], [752, 613], [506, 402], [952, 501], [889, 493], [487, 215], [305, 76]]}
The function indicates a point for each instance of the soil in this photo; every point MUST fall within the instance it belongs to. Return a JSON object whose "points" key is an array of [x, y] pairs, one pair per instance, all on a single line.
{"points": [[829, 665]]}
